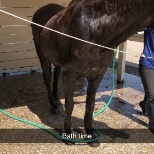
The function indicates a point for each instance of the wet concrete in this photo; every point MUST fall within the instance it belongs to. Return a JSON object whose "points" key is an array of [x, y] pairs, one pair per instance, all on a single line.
{"points": [[123, 128]]}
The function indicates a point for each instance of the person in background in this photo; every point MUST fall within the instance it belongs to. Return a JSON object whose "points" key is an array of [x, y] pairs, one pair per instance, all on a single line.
{"points": [[146, 72]]}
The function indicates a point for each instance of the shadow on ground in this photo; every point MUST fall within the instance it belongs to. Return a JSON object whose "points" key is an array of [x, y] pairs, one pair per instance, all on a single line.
{"points": [[28, 90]]}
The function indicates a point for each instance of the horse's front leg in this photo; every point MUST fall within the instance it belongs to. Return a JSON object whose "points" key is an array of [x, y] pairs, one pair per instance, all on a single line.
{"points": [[69, 80], [57, 71], [90, 103]]}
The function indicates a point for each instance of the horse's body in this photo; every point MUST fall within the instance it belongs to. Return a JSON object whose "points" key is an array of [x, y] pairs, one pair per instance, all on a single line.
{"points": [[105, 22]]}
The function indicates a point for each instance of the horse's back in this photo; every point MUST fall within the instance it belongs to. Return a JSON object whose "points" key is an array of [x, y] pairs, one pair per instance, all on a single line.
{"points": [[42, 15]]}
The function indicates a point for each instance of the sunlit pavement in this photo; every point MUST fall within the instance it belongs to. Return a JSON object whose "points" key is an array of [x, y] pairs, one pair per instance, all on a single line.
{"points": [[25, 96]]}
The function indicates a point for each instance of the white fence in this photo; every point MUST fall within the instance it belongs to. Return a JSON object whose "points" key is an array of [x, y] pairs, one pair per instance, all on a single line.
{"points": [[17, 51], [122, 56]]}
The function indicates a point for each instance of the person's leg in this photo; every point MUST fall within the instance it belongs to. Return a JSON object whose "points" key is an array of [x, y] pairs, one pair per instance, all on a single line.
{"points": [[147, 105], [150, 114], [147, 77]]}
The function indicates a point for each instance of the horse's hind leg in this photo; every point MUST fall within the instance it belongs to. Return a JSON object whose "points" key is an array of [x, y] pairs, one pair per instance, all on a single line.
{"points": [[47, 80], [46, 71], [57, 71]]}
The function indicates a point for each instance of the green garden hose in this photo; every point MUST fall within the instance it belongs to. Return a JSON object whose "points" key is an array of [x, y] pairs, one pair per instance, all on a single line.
{"points": [[67, 139]]}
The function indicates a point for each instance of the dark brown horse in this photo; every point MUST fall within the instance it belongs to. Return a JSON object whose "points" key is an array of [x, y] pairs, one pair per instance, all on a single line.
{"points": [[105, 22]]}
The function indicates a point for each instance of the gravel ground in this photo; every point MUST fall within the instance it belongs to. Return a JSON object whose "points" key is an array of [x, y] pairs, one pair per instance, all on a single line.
{"points": [[123, 128]]}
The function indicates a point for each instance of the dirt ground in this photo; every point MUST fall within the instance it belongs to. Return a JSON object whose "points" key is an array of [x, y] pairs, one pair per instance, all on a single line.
{"points": [[123, 128]]}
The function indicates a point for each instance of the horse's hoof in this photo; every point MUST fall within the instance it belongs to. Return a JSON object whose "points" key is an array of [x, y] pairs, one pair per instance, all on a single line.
{"points": [[94, 144], [58, 102], [93, 136], [55, 111], [69, 143]]}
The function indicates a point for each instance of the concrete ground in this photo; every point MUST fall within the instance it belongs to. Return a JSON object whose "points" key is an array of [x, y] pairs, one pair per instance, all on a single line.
{"points": [[123, 128]]}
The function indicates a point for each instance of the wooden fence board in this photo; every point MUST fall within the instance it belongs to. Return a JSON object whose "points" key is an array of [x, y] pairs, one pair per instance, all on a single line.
{"points": [[16, 38], [8, 20], [18, 69], [21, 11], [17, 55], [25, 30], [32, 3], [16, 47], [17, 51], [23, 3], [19, 63]]}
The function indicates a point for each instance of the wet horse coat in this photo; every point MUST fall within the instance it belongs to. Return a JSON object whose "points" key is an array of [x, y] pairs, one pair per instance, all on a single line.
{"points": [[105, 22]]}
